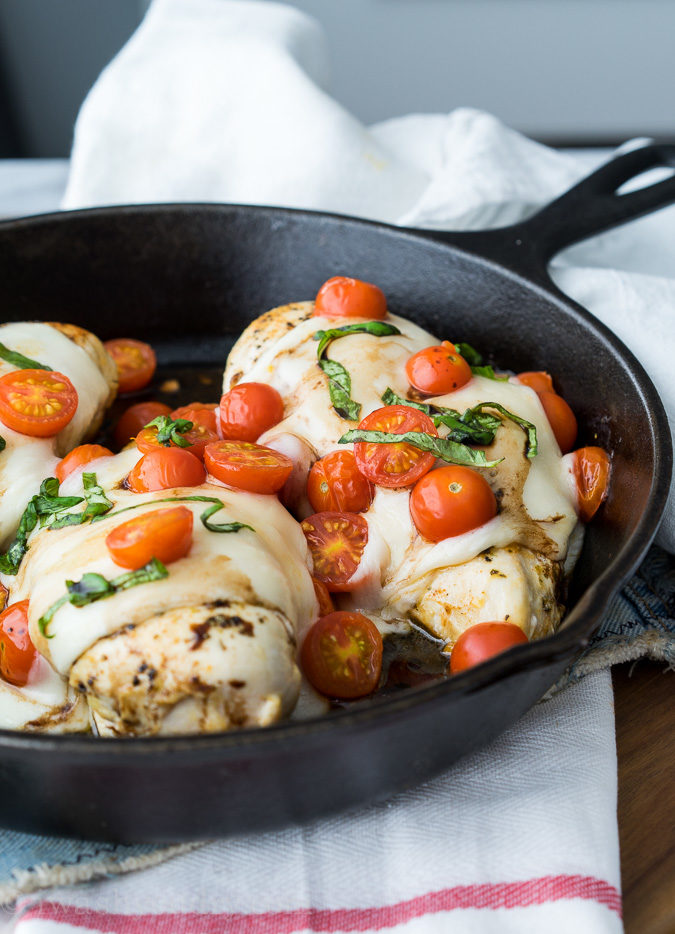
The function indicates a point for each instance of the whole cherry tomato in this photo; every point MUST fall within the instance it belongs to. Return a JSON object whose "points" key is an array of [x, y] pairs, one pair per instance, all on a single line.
{"points": [[482, 641], [246, 466], [199, 413], [165, 469], [336, 543], [17, 652], [197, 438], [248, 410], [592, 469], [335, 484], [438, 370], [137, 417], [562, 419], [538, 380], [450, 501], [38, 403], [342, 297], [165, 534], [394, 465], [79, 457], [342, 655], [136, 362]]}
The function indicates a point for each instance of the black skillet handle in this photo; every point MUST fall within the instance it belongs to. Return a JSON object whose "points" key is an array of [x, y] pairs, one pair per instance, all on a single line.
{"points": [[590, 207]]}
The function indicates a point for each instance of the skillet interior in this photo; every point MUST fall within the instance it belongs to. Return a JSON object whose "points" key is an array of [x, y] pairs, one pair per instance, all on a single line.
{"points": [[189, 278]]}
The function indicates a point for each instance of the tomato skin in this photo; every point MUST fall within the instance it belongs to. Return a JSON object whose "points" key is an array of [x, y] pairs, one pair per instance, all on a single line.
{"points": [[247, 466], [335, 484], [38, 403], [164, 469], [592, 471], [438, 370], [482, 641], [562, 419], [197, 437], [336, 542], [17, 652], [538, 380], [343, 297], [248, 410], [165, 534], [450, 501], [136, 417], [323, 597], [342, 655], [79, 457], [135, 360], [199, 413], [394, 465]]}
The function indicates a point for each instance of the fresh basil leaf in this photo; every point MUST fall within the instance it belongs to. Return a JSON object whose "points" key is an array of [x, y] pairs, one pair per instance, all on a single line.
{"points": [[488, 372], [340, 388], [389, 397], [218, 504], [92, 587], [171, 430], [95, 498], [375, 328], [528, 427], [464, 429], [18, 360], [226, 526], [3, 443], [470, 354], [444, 448]]}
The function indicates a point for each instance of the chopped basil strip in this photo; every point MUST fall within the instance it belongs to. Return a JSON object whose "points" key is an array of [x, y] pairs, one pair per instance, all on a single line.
{"points": [[18, 360], [218, 504], [93, 587], [171, 430], [488, 372], [97, 505], [470, 354], [444, 448], [44, 507], [339, 380], [3, 443], [528, 427], [389, 397]]}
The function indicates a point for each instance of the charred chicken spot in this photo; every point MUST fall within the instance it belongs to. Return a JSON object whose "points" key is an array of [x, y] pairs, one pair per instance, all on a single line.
{"points": [[226, 622], [236, 377], [495, 573], [218, 604], [81, 687], [237, 684], [201, 631], [200, 686], [135, 681]]}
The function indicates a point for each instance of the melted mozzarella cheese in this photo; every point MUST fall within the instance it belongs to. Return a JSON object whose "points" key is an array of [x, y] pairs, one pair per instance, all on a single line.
{"points": [[45, 702]]}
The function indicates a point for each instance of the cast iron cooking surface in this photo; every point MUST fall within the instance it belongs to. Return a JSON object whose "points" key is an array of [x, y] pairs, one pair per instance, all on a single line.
{"points": [[189, 278]]}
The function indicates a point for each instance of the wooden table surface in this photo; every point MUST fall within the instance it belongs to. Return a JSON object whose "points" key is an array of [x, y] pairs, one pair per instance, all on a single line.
{"points": [[645, 737]]}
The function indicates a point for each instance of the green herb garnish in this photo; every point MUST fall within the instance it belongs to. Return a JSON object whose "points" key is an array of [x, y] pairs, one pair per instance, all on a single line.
{"points": [[218, 504], [529, 429], [475, 361], [171, 430], [18, 360], [93, 587], [444, 448], [3, 443], [339, 380], [97, 505]]}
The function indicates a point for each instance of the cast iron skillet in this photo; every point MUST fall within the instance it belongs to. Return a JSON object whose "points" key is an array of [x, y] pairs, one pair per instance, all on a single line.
{"points": [[189, 278]]}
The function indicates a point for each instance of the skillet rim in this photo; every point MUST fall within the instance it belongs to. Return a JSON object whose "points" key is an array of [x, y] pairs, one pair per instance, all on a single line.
{"points": [[577, 628]]}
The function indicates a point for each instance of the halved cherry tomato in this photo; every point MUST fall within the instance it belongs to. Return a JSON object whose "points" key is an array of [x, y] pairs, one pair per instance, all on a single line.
{"points": [[136, 362], [342, 297], [323, 597], [538, 380], [342, 655], [249, 409], [199, 413], [197, 437], [79, 457], [17, 652], [394, 465], [482, 641], [164, 469], [336, 542], [38, 403], [562, 420], [592, 469], [450, 501], [165, 534], [246, 466], [136, 417], [437, 370], [336, 484]]}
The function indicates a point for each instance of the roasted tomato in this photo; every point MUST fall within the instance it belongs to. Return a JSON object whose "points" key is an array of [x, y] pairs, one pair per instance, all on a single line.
{"points": [[248, 410], [437, 370], [4, 594], [247, 466], [323, 597], [136, 362], [79, 457], [136, 417], [482, 641], [394, 465], [38, 403], [561, 418], [537, 380], [199, 413], [592, 469], [336, 484], [342, 297], [17, 652], [336, 542], [342, 655], [164, 469], [197, 438], [165, 534], [450, 501]]}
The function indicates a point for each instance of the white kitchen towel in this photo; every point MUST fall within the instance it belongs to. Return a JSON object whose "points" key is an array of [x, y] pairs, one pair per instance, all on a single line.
{"points": [[223, 100], [519, 837]]}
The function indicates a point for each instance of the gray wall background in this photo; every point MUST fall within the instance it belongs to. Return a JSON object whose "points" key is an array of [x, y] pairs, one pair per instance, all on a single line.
{"points": [[562, 70]]}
